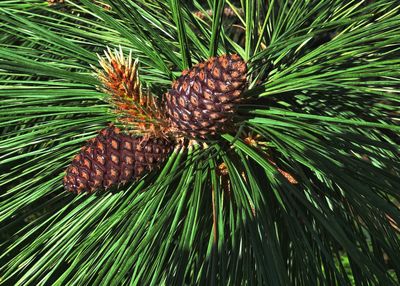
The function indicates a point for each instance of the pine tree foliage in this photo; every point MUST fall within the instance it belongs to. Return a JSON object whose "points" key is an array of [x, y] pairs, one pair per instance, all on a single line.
{"points": [[305, 192]]}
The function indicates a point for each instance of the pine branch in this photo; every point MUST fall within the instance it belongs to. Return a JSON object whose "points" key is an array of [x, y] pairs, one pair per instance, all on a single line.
{"points": [[309, 199]]}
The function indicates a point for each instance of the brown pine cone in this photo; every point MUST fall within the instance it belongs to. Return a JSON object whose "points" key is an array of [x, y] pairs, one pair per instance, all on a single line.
{"points": [[202, 100], [113, 158]]}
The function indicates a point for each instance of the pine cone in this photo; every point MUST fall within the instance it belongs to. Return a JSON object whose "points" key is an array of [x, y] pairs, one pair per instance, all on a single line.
{"points": [[113, 158], [202, 100]]}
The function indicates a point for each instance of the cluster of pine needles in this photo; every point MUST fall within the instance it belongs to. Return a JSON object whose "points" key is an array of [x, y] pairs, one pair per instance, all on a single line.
{"points": [[304, 190]]}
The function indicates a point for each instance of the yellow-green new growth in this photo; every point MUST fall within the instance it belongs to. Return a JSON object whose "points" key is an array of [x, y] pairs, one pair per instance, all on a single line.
{"points": [[137, 110]]}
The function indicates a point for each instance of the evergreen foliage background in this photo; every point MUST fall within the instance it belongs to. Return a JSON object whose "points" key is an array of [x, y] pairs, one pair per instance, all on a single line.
{"points": [[323, 99]]}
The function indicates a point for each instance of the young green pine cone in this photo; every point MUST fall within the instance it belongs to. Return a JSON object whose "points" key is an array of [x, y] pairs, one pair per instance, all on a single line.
{"points": [[113, 158], [202, 100]]}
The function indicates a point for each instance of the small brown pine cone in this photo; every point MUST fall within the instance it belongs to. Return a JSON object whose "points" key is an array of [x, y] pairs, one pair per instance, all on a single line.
{"points": [[113, 158], [202, 100]]}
